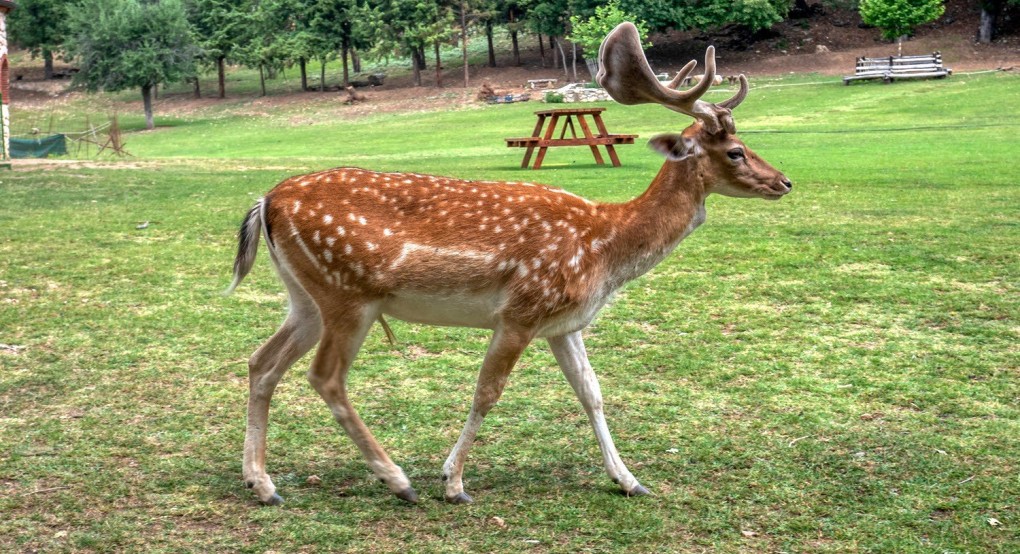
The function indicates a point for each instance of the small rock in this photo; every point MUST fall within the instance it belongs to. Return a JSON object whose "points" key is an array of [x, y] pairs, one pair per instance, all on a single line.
{"points": [[314, 480], [821, 49], [499, 522]]}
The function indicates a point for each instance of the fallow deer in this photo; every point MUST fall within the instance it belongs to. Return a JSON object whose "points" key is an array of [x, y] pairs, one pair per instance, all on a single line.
{"points": [[524, 260]]}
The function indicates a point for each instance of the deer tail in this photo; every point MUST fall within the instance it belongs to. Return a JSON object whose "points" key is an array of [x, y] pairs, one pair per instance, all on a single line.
{"points": [[247, 244]]}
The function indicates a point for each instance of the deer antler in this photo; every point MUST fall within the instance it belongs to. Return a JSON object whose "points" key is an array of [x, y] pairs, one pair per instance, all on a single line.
{"points": [[625, 74]]}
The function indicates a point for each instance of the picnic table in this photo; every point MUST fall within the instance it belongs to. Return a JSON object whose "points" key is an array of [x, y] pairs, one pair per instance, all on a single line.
{"points": [[564, 119]]}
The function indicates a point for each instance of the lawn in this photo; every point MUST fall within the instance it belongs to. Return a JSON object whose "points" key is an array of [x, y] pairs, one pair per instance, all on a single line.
{"points": [[835, 372]]}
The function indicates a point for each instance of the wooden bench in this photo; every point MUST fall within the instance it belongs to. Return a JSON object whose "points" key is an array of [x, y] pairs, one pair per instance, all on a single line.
{"points": [[891, 68], [541, 83]]}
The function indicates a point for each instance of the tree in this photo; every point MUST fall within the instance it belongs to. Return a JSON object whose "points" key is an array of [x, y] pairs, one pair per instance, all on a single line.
{"points": [[589, 33], [991, 10], [40, 26], [122, 44], [897, 18], [219, 27]]}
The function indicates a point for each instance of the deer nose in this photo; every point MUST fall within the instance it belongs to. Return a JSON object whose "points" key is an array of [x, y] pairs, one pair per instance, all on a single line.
{"points": [[787, 183]]}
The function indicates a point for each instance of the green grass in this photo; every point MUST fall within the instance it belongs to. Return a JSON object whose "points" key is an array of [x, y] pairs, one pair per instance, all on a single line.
{"points": [[836, 372]]}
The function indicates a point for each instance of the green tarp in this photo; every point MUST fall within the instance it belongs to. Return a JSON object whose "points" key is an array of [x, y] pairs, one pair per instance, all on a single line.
{"points": [[38, 148]]}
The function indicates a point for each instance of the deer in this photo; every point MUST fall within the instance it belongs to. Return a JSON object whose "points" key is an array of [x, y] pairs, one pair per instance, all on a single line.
{"points": [[523, 260]]}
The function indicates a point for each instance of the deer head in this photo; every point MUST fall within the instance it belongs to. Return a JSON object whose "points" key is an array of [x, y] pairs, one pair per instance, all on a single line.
{"points": [[735, 169]]}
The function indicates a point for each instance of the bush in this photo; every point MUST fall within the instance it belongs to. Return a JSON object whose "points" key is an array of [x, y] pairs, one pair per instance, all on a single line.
{"points": [[588, 34], [897, 18]]}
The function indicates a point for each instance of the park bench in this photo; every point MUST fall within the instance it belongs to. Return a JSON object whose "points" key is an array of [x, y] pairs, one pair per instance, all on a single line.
{"points": [[891, 68], [541, 83]]}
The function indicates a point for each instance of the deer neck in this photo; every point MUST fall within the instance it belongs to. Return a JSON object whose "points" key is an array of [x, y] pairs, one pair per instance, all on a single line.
{"points": [[653, 224]]}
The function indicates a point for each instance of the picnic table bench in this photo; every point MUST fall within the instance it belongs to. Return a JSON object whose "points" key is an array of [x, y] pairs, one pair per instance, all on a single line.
{"points": [[543, 141], [890, 68]]}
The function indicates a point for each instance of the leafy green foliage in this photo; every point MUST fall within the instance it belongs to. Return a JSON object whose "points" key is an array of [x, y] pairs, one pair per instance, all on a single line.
{"points": [[589, 33], [40, 26], [753, 14], [897, 18], [120, 44]]}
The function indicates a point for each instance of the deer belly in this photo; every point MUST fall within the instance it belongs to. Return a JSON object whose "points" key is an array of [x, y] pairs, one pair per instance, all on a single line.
{"points": [[455, 309]]}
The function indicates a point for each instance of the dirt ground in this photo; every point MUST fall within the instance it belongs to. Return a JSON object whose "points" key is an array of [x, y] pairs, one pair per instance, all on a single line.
{"points": [[826, 43]]}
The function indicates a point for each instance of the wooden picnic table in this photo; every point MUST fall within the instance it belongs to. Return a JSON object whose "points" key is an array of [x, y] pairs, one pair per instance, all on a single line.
{"points": [[543, 141]]}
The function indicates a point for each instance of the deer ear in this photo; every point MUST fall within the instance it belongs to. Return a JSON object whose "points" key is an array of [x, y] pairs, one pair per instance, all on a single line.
{"points": [[674, 146]]}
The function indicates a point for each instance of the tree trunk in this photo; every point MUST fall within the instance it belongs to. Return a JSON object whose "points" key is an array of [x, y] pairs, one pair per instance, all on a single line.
{"points": [[563, 56], [439, 67], [221, 75], [355, 60], [198, 88], [416, 65], [262, 79], [516, 49], [552, 46], [488, 38], [421, 58], [322, 74], [463, 42], [541, 49], [573, 60], [986, 29], [304, 74], [147, 104], [344, 51], [47, 64]]}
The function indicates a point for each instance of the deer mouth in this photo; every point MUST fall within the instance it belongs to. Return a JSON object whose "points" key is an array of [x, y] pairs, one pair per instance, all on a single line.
{"points": [[777, 190]]}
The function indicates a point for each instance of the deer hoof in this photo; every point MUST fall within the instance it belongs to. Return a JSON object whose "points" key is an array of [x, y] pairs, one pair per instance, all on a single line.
{"points": [[408, 495], [274, 500], [460, 498], [638, 491]]}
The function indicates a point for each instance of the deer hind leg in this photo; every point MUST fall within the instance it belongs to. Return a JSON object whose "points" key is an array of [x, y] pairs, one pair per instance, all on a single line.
{"points": [[570, 354], [341, 339], [298, 334], [504, 351]]}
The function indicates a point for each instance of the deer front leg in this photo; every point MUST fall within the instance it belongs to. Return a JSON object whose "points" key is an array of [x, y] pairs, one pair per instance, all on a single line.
{"points": [[573, 359], [504, 350], [341, 339]]}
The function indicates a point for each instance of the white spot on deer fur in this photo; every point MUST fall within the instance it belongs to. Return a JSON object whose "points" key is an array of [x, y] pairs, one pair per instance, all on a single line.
{"points": [[327, 219], [576, 259], [386, 232], [522, 270], [297, 206], [341, 231], [414, 249], [330, 241], [304, 247], [370, 245], [362, 220], [328, 256], [315, 237], [348, 249], [352, 217]]}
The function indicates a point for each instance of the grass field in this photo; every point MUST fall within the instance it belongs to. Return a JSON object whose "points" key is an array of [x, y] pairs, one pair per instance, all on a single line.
{"points": [[836, 372]]}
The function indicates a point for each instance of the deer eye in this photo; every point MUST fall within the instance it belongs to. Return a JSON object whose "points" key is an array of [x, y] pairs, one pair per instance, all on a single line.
{"points": [[736, 154]]}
